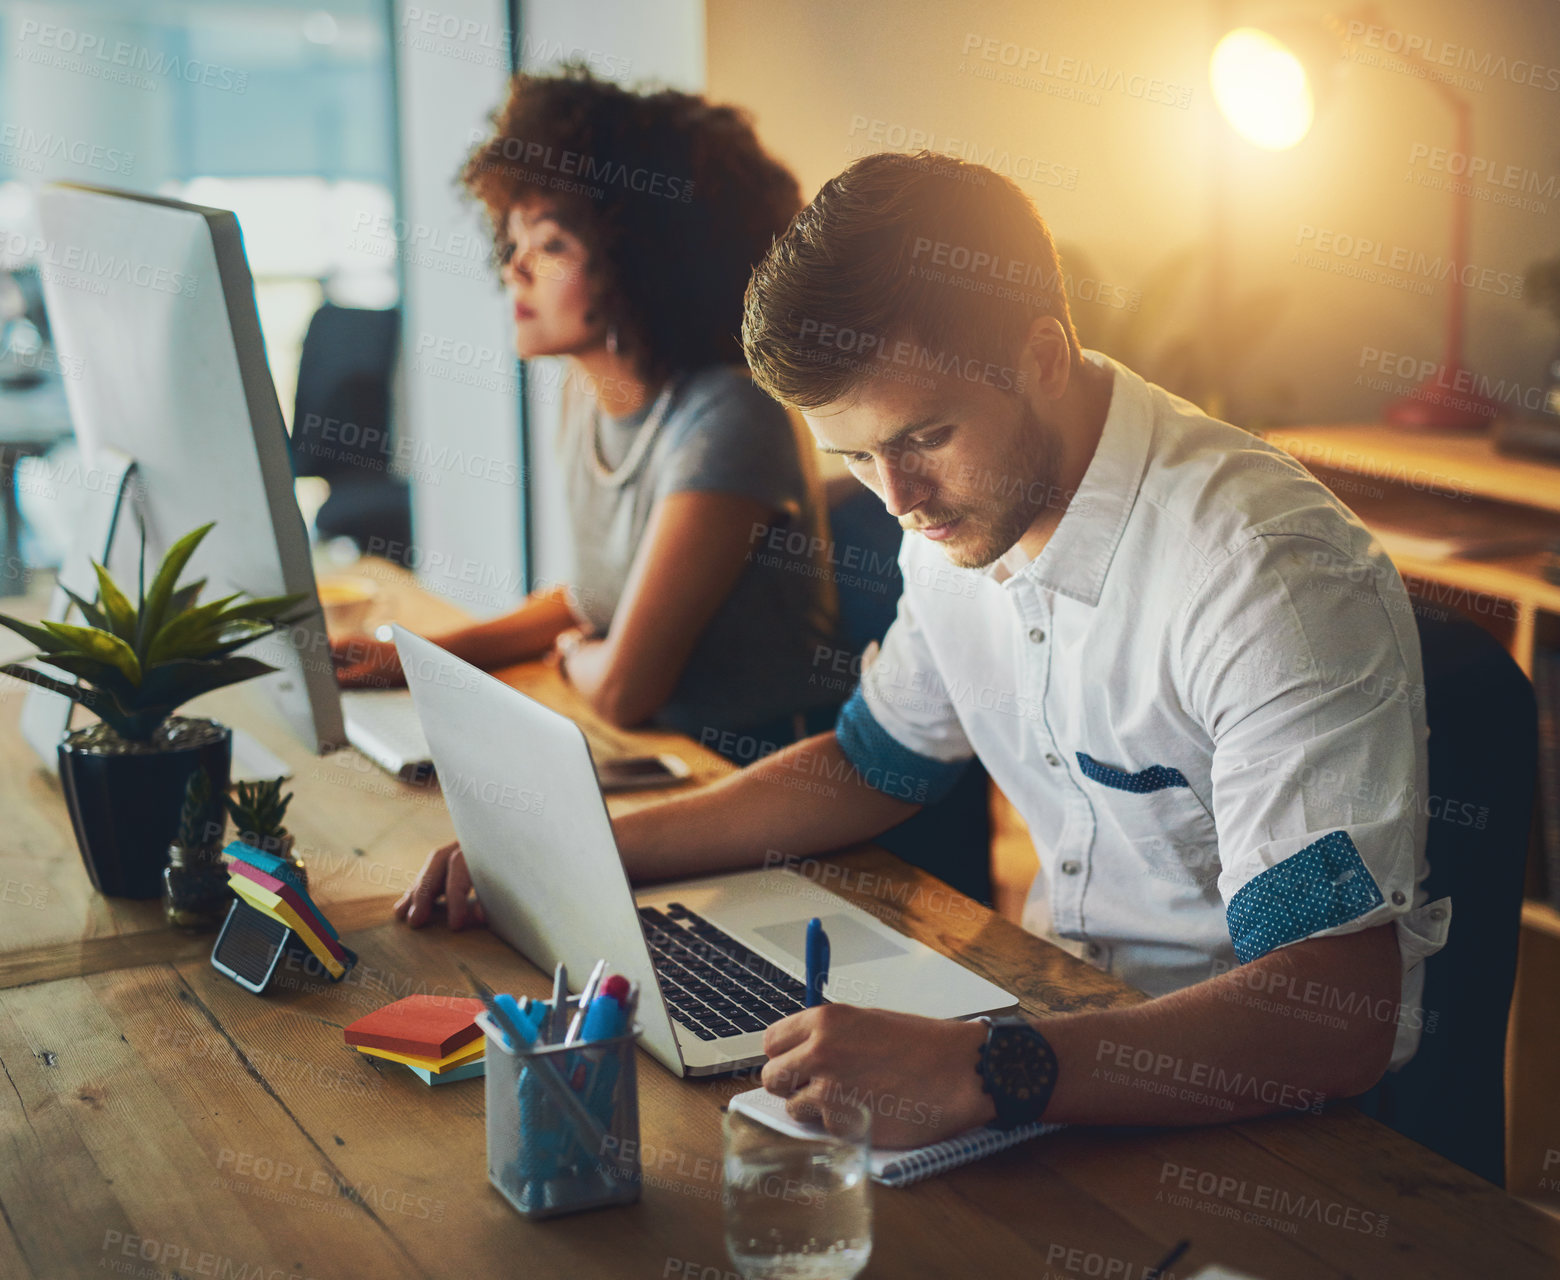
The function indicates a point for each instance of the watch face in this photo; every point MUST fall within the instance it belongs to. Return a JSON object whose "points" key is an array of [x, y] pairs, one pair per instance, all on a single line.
{"points": [[1020, 1070]]}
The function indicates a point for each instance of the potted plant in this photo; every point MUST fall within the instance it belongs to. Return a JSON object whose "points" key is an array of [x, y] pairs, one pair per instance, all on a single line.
{"points": [[135, 664], [195, 881], [257, 816]]}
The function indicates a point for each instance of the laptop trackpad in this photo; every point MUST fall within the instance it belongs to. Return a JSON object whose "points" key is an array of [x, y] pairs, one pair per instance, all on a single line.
{"points": [[850, 941]]}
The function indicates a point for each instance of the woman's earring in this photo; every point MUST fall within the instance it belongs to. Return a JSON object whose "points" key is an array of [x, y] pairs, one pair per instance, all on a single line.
{"points": [[612, 339]]}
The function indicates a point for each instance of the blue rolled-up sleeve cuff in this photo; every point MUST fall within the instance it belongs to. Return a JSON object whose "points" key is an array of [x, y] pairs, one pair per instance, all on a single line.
{"points": [[886, 764], [1319, 887]]}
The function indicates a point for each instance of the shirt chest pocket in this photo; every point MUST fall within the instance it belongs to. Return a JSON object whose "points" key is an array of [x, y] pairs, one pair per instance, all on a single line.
{"points": [[1154, 815]]}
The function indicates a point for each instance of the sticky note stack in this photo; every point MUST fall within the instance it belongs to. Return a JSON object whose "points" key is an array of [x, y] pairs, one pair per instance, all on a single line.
{"points": [[272, 886], [436, 1036]]}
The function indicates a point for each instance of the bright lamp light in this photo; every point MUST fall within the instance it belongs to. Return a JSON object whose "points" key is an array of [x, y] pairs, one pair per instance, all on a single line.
{"points": [[1262, 89]]}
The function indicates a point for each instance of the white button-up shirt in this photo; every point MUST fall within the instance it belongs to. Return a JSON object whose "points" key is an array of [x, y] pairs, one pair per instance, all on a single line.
{"points": [[1204, 697]]}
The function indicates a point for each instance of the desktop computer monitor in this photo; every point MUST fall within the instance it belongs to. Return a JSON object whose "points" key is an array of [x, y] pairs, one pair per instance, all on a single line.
{"points": [[153, 301]]}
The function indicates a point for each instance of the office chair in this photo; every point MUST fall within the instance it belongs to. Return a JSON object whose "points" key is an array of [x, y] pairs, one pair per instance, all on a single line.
{"points": [[952, 838], [341, 426], [1483, 717]]}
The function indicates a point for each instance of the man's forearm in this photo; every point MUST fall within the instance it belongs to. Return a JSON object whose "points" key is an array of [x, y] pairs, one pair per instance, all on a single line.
{"points": [[805, 799], [1297, 1028]]}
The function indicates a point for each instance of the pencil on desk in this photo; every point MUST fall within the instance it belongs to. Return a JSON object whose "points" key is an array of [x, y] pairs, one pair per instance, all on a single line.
{"points": [[1158, 1270]]}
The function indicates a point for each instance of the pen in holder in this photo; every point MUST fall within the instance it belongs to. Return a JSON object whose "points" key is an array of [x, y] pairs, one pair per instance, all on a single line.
{"points": [[562, 1121]]}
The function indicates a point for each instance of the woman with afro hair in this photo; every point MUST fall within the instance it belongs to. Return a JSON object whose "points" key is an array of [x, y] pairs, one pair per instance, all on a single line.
{"points": [[626, 226]]}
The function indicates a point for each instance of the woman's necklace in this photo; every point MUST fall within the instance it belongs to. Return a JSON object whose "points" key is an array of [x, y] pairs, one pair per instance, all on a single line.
{"points": [[647, 433]]}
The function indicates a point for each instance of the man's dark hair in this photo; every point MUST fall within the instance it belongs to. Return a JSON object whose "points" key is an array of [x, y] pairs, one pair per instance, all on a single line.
{"points": [[902, 264]]}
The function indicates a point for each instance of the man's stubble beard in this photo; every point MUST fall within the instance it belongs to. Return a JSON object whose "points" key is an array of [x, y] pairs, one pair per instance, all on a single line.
{"points": [[1030, 468]]}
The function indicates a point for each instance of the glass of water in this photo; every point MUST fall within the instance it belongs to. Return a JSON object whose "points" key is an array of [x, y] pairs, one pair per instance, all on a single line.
{"points": [[799, 1208]]}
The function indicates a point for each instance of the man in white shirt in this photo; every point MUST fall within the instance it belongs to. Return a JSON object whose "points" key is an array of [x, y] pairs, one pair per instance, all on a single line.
{"points": [[1191, 669]]}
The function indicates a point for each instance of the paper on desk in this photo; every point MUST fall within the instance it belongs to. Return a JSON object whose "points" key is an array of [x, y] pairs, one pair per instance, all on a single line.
{"points": [[894, 1166]]}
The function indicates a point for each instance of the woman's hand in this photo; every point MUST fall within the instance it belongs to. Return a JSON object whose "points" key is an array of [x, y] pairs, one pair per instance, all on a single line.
{"points": [[445, 875], [569, 644], [365, 663]]}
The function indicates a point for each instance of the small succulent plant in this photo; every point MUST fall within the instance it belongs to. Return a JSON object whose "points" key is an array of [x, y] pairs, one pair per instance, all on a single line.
{"points": [[257, 813], [201, 820]]}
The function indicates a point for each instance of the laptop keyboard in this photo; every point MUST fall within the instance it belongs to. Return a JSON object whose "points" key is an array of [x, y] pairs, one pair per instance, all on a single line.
{"points": [[383, 724], [714, 985]]}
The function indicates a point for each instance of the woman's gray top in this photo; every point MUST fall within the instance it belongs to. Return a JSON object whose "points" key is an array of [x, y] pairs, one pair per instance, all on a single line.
{"points": [[758, 660]]}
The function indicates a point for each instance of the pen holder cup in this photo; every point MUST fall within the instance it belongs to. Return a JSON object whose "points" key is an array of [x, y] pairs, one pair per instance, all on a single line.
{"points": [[563, 1122]]}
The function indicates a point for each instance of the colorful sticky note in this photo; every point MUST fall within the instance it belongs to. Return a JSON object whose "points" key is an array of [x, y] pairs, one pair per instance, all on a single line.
{"points": [[302, 906], [277, 909], [466, 1071], [271, 863], [420, 1026], [436, 1065]]}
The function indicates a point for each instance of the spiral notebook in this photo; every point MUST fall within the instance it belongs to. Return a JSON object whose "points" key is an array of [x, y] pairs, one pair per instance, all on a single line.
{"points": [[898, 1167]]}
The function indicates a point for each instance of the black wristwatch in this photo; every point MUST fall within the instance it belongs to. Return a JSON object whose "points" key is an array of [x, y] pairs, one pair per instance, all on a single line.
{"points": [[1018, 1069]]}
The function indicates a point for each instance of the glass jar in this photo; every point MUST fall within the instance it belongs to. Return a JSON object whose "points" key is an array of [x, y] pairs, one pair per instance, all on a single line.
{"points": [[195, 889], [799, 1206]]}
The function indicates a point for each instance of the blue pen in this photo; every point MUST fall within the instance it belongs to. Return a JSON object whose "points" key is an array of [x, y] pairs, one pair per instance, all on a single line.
{"points": [[517, 1032], [606, 1019], [608, 1012], [541, 1149], [541, 1092], [518, 1018], [817, 962]]}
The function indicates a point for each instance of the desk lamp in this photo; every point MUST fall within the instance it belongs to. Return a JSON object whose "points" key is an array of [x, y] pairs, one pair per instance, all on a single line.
{"points": [[1267, 81]]}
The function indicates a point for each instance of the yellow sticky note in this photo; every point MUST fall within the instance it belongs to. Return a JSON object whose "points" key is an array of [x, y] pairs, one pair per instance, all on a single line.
{"points": [[277, 908], [466, 1053]]}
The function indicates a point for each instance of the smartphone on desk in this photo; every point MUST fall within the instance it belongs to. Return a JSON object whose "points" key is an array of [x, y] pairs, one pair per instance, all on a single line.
{"points": [[635, 773]]}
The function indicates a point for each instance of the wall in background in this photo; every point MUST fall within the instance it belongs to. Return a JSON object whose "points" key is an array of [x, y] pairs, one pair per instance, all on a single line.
{"points": [[459, 394], [1103, 114], [632, 42]]}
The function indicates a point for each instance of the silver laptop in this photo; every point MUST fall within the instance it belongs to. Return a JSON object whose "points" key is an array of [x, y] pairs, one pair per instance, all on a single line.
{"points": [[717, 959]]}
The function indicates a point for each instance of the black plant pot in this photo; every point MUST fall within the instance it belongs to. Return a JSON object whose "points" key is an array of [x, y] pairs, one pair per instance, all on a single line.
{"points": [[125, 808]]}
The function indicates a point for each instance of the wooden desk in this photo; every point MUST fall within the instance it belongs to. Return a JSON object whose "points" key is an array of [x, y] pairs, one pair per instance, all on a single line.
{"points": [[363, 834], [154, 1107], [1452, 483]]}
